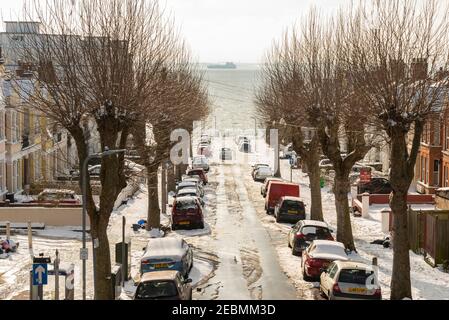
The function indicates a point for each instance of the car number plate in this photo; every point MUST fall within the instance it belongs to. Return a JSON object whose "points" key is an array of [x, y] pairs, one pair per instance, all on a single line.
{"points": [[292, 212], [161, 265], [357, 290], [184, 223]]}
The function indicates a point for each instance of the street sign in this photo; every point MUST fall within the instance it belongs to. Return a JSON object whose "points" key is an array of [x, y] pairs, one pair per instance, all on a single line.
{"points": [[40, 274], [84, 254]]}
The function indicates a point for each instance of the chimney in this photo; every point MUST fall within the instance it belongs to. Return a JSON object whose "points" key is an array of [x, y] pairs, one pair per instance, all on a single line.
{"points": [[419, 69]]}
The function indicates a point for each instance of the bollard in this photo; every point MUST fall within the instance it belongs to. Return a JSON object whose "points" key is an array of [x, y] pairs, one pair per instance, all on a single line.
{"points": [[56, 267], [30, 238], [365, 205], [8, 230], [70, 283]]}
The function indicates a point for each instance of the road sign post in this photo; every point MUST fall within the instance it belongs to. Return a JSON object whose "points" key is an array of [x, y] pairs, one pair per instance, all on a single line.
{"points": [[56, 268], [39, 275]]}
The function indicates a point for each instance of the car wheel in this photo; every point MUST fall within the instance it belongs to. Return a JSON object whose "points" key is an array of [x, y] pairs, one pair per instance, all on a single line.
{"points": [[322, 294], [201, 225], [174, 227], [278, 219], [304, 275]]}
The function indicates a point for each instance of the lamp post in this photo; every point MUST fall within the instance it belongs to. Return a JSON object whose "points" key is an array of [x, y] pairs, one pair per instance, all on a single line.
{"points": [[83, 254]]}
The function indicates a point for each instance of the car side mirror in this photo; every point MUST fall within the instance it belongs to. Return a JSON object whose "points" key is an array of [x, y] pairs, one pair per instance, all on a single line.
{"points": [[293, 227], [188, 281], [322, 270]]}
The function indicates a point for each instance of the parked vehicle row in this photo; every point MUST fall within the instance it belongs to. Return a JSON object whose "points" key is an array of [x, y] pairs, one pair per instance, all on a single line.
{"points": [[164, 270], [322, 258]]}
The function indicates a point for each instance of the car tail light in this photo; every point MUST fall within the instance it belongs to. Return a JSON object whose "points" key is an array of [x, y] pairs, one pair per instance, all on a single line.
{"points": [[336, 288], [378, 293], [314, 262], [299, 235]]}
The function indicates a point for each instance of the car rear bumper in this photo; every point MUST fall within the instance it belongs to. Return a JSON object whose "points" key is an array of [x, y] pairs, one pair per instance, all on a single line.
{"points": [[182, 222], [293, 218], [349, 296], [313, 272]]}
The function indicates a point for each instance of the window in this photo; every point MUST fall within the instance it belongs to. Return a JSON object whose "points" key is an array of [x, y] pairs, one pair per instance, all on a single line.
{"points": [[436, 134], [423, 169], [2, 125], [355, 276], [333, 270], [37, 167], [445, 176], [2, 165], [37, 124]]}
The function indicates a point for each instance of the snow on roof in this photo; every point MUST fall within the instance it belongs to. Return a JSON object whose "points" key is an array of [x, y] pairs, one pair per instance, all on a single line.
{"points": [[164, 247], [353, 265], [331, 250], [186, 198], [58, 191], [315, 223]]}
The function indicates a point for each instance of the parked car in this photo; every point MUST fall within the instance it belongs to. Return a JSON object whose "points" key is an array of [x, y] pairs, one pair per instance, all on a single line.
{"points": [[347, 280], [264, 188], [200, 173], [204, 149], [193, 178], [163, 285], [319, 255], [239, 139], [205, 138], [58, 196], [305, 232], [190, 184], [200, 162], [257, 166], [187, 213], [190, 192], [226, 154], [262, 173], [167, 254], [375, 186], [326, 164], [245, 146], [290, 209], [278, 189]]}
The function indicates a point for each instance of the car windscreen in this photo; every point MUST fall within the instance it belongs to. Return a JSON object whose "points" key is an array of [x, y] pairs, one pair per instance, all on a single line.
{"points": [[156, 289], [186, 204], [293, 205], [318, 231], [356, 276], [199, 161]]}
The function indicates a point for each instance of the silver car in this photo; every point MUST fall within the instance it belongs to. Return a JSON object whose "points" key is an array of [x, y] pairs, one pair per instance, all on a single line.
{"points": [[262, 173], [200, 163]]}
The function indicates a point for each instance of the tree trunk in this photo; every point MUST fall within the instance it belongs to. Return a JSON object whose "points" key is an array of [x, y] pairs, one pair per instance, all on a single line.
{"points": [[316, 208], [102, 260], [154, 212], [344, 228], [171, 179], [400, 181]]}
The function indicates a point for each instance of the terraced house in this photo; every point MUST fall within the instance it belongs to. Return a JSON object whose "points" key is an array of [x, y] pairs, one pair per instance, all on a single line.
{"points": [[32, 149]]}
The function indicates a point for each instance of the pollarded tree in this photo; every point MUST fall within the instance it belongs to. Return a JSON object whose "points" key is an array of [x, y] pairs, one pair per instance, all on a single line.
{"points": [[96, 59], [397, 49], [281, 100]]}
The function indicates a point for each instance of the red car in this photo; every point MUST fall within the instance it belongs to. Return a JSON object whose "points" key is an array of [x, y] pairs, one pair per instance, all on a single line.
{"points": [[319, 255], [187, 213], [200, 173], [278, 189]]}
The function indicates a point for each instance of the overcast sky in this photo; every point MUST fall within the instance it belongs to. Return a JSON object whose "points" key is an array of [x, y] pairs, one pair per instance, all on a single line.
{"points": [[228, 30]]}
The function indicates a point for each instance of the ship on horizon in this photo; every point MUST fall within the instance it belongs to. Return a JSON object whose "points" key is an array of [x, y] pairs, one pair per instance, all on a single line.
{"points": [[227, 65]]}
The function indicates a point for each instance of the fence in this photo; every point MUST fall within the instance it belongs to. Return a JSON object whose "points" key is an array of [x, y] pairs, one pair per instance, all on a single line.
{"points": [[436, 238]]}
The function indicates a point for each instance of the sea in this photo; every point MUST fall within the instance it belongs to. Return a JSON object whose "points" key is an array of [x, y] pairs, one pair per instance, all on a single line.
{"points": [[232, 94]]}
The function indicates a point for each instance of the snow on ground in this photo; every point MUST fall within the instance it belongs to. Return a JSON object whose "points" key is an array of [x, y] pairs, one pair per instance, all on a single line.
{"points": [[427, 282]]}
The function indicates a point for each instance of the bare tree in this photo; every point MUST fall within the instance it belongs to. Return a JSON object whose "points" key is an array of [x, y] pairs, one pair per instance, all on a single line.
{"points": [[280, 100], [397, 49], [98, 59]]}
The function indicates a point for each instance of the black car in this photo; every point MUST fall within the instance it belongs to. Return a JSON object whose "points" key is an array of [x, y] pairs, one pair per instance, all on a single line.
{"points": [[290, 209], [375, 186], [306, 231]]}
